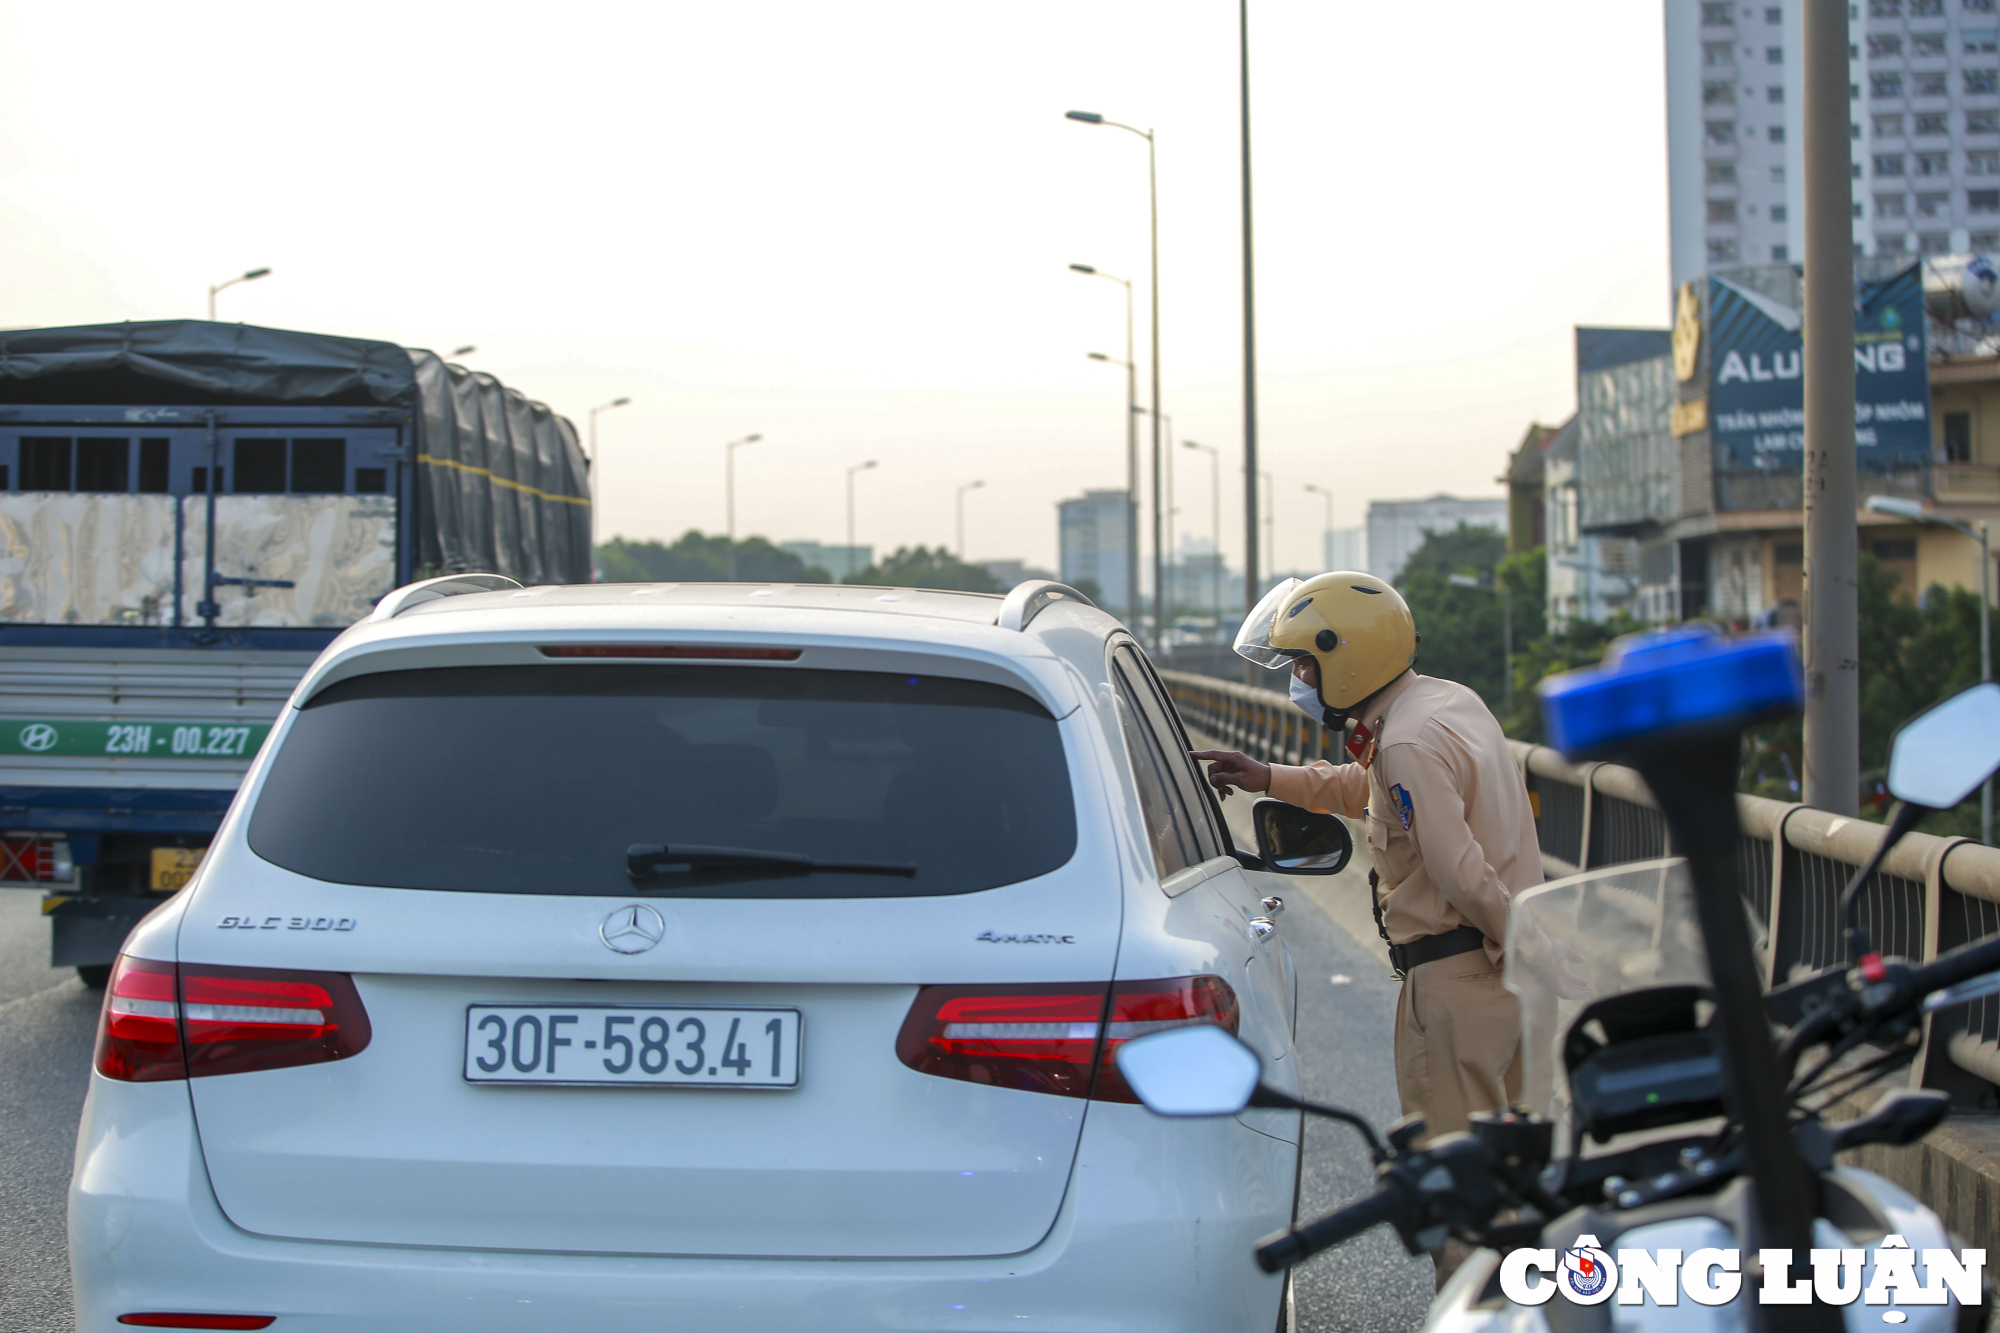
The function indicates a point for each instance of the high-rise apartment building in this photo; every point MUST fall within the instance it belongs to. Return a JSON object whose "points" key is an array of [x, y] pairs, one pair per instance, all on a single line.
{"points": [[1091, 543], [1924, 86]]}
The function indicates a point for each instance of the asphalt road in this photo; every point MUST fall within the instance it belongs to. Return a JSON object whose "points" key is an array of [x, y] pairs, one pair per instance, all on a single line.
{"points": [[48, 1020]]}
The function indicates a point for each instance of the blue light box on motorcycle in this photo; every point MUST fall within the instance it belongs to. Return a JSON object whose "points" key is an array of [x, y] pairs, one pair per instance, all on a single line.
{"points": [[1672, 680]]}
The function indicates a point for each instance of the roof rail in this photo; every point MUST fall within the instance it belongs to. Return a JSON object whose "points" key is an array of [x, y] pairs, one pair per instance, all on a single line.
{"points": [[429, 590], [1030, 599]]}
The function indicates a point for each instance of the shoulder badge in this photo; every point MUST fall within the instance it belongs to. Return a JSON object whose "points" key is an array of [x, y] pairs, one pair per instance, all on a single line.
{"points": [[1361, 745], [1404, 810]]}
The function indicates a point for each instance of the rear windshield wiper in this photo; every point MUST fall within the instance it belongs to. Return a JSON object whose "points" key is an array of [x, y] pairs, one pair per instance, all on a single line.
{"points": [[663, 865]]}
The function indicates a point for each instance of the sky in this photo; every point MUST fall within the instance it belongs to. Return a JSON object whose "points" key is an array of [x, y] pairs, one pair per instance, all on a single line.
{"points": [[847, 228]]}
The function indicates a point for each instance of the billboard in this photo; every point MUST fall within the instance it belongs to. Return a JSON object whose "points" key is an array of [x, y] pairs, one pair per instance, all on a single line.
{"points": [[1756, 381]]}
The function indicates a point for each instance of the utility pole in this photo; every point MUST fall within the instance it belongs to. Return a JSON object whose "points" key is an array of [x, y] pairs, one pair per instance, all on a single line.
{"points": [[1250, 581], [1832, 638]]}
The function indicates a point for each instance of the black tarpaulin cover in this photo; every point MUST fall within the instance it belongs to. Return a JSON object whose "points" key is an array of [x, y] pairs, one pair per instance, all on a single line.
{"points": [[501, 482]]}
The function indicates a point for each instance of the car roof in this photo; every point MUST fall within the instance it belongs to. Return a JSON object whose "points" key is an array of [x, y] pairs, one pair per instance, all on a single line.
{"points": [[977, 608]]}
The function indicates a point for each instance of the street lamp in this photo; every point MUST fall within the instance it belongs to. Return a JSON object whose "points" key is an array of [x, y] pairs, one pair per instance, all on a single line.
{"points": [[1270, 523], [1915, 512], [466, 350], [1326, 541], [1131, 438], [1153, 204], [858, 467], [1215, 522], [729, 493], [595, 489], [251, 276], [969, 486], [1506, 632]]}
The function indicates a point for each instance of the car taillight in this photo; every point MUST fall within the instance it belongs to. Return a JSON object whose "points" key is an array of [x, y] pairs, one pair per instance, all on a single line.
{"points": [[163, 1022], [1051, 1038], [138, 1034], [150, 1320], [237, 1019]]}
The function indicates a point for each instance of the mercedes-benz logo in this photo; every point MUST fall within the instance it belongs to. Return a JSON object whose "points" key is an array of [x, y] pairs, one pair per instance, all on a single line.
{"points": [[632, 929], [38, 736]]}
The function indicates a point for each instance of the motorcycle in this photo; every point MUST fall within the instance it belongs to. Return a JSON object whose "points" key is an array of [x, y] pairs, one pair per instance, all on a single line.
{"points": [[1660, 1122]]}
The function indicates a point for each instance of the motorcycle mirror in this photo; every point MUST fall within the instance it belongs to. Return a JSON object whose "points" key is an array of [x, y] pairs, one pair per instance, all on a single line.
{"points": [[1191, 1071], [1296, 841], [1940, 757]]}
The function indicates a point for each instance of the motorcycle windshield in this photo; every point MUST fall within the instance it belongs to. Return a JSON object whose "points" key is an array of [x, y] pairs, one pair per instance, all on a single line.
{"points": [[1575, 941]]}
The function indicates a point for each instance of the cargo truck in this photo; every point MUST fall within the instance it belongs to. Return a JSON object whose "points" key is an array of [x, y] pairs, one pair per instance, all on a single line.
{"points": [[189, 513]]}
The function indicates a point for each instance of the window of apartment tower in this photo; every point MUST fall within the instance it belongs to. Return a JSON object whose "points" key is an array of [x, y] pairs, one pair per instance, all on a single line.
{"points": [[1718, 53], [1721, 173], [1780, 213], [1891, 205], [1774, 95], [1721, 250], [1718, 93], [1777, 134], [1722, 210], [1982, 81], [1982, 122], [1982, 162], [1926, 8], [1884, 44], [1923, 44], [1774, 16], [1885, 85], [1934, 164], [1889, 127], [1929, 85], [1774, 55], [1888, 164], [1981, 41], [1958, 437], [1984, 241], [1717, 15], [1885, 9], [1933, 205], [1982, 201], [1934, 243], [1931, 124]]}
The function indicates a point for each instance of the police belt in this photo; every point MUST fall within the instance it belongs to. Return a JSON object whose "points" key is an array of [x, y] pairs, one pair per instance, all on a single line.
{"points": [[1406, 958]]}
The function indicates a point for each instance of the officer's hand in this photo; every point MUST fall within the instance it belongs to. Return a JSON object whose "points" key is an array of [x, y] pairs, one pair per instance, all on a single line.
{"points": [[1229, 769]]}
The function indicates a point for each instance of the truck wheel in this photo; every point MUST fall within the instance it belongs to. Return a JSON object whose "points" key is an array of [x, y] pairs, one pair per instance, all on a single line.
{"points": [[95, 975]]}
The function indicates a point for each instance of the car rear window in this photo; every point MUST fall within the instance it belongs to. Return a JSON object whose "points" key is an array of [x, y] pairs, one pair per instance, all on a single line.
{"points": [[541, 779]]}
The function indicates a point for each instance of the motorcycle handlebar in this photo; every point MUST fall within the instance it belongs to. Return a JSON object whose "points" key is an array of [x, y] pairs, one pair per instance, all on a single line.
{"points": [[1296, 1246], [1961, 964]]}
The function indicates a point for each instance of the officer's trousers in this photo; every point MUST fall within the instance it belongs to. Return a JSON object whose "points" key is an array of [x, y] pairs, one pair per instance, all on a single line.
{"points": [[1458, 1050], [1458, 1042]]}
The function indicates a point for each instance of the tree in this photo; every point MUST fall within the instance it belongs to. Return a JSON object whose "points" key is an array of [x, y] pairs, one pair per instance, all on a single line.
{"points": [[1458, 628], [699, 558], [921, 567]]}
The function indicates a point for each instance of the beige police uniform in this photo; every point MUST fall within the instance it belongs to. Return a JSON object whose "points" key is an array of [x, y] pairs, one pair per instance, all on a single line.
{"points": [[1452, 837]]}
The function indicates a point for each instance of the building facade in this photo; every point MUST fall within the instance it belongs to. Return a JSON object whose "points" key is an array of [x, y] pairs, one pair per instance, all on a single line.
{"points": [[1090, 535], [1924, 80], [1396, 528]]}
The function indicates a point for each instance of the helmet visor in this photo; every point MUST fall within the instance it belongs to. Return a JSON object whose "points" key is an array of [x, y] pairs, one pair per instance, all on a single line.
{"points": [[1253, 641]]}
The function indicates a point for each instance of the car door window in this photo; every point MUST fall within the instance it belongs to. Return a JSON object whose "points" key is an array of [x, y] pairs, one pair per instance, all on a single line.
{"points": [[1167, 824], [1165, 724]]}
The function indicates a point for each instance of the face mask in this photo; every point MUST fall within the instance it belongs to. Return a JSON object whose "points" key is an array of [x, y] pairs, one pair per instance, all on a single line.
{"points": [[1306, 698]]}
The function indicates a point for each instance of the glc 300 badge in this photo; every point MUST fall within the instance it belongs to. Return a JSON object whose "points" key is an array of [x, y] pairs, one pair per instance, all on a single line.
{"points": [[632, 929], [995, 937]]}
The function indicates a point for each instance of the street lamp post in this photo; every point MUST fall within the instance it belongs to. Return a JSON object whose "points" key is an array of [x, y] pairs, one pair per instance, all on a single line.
{"points": [[1326, 536], [1915, 512], [969, 486], [596, 490], [251, 276], [1506, 632], [729, 493], [1131, 439], [1153, 204], [1270, 523], [1215, 523], [858, 467]]}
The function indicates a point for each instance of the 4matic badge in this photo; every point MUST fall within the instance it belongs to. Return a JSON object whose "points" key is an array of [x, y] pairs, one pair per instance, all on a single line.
{"points": [[995, 937]]}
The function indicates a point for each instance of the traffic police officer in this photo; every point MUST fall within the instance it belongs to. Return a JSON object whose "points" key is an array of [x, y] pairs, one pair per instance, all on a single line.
{"points": [[1450, 831]]}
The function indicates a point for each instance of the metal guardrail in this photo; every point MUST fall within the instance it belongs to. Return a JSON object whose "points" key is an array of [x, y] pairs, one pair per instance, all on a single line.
{"points": [[1931, 894]]}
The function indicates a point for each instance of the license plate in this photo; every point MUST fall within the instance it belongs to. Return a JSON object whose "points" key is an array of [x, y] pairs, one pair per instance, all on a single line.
{"points": [[636, 1045]]}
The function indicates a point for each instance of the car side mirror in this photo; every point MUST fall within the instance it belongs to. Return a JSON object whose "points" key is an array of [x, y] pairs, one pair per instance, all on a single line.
{"points": [[1191, 1071], [1296, 841], [1941, 756]]}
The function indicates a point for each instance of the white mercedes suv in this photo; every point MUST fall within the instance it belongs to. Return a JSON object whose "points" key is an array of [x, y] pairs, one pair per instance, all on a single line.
{"points": [[698, 956]]}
